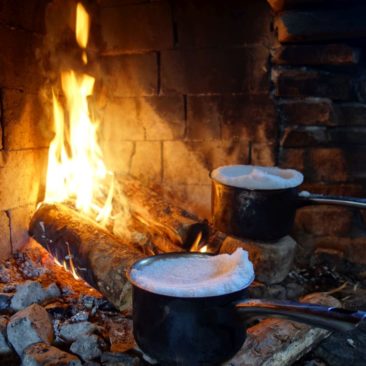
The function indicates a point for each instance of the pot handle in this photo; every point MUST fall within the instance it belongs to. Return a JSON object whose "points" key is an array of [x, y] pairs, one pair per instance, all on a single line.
{"points": [[331, 318], [305, 198]]}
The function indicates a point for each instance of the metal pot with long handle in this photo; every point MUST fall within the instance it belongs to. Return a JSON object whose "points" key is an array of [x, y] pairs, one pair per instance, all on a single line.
{"points": [[264, 214], [209, 330]]}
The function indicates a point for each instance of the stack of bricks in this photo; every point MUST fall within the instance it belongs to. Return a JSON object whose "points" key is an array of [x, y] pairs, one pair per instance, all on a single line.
{"points": [[319, 87], [185, 89], [24, 131]]}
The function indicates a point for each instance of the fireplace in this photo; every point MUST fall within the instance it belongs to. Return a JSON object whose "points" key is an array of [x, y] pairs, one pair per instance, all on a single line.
{"points": [[182, 87]]}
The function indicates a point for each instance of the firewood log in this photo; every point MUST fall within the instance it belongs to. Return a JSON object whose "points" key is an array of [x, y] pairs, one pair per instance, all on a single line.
{"points": [[278, 342], [86, 249]]}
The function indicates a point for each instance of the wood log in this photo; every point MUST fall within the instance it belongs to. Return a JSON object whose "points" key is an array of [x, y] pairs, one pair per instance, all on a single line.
{"points": [[160, 216], [278, 342], [86, 249]]}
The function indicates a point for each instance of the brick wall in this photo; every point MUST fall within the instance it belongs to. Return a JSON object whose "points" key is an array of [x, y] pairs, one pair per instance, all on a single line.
{"points": [[24, 129], [187, 89], [318, 76]]}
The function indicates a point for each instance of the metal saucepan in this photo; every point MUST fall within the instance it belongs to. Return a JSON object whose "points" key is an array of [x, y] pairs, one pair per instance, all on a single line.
{"points": [[264, 214], [210, 330]]}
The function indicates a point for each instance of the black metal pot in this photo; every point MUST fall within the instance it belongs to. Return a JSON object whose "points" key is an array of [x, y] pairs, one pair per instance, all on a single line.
{"points": [[210, 330], [264, 214]]}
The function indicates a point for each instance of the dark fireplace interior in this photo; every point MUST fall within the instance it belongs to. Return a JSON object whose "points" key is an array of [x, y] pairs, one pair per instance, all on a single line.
{"points": [[181, 88]]}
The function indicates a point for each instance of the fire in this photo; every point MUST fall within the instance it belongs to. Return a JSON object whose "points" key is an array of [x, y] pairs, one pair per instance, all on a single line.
{"points": [[76, 171]]}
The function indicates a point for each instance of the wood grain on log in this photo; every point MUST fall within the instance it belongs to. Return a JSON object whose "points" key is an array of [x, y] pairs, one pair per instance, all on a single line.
{"points": [[87, 248], [278, 342]]}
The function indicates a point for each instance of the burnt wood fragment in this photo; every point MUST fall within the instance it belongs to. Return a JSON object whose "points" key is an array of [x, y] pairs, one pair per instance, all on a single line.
{"points": [[87, 249]]}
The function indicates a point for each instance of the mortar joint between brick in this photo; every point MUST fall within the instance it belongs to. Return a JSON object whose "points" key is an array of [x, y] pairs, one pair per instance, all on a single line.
{"points": [[7, 213], [158, 69]]}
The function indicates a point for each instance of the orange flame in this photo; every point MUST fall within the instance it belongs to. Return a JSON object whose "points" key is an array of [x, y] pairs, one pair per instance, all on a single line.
{"points": [[76, 170]]}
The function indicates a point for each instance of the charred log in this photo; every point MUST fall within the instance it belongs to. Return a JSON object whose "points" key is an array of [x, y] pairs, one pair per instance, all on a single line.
{"points": [[86, 249]]}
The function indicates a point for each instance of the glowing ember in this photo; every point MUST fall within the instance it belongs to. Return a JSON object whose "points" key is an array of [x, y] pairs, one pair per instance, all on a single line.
{"points": [[76, 171]]}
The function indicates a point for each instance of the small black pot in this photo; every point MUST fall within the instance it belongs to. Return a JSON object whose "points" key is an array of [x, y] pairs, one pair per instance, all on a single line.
{"points": [[210, 330], [265, 215]]}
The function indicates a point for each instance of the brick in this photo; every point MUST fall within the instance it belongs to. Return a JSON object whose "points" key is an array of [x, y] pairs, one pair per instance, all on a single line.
{"points": [[315, 25], [191, 162], [120, 122], [305, 136], [5, 244], [194, 197], [308, 111], [336, 189], [353, 249], [19, 223], [130, 75], [25, 123], [262, 154], [201, 71], [22, 175], [136, 27], [310, 83], [278, 5], [29, 15], [353, 114], [18, 65], [356, 160], [162, 117], [317, 164], [146, 161], [348, 135], [324, 220], [212, 23], [329, 54], [239, 117], [118, 155]]}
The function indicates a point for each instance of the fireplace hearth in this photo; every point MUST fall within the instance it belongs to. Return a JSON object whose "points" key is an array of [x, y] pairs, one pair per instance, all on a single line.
{"points": [[175, 89]]}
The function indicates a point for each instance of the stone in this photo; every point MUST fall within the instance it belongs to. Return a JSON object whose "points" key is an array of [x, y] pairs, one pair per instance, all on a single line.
{"points": [[121, 335], [130, 75], [87, 347], [72, 331], [25, 121], [203, 157], [31, 292], [329, 54], [28, 326], [308, 111], [272, 261], [163, 117], [263, 154], [136, 27], [5, 300], [19, 67], [318, 164], [4, 346], [41, 354], [320, 25], [21, 177], [202, 71], [119, 359], [5, 243], [19, 221], [28, 15], [305, 136], [213, 23], [351, 114], [239, 117], [311, 83], [311, 220]]}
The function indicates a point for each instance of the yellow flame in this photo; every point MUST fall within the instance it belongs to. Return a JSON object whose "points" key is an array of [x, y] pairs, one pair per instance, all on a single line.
{"points": [[82, 26], [76, 170], [204, 249]]}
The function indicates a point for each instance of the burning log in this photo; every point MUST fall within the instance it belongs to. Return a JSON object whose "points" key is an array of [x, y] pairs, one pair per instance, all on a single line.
{"points": [[86, 249], [181, 227]]}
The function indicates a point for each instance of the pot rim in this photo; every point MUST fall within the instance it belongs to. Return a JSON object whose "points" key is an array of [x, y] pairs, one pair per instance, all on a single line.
{"points": [[252, 189], [147, 260]]}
